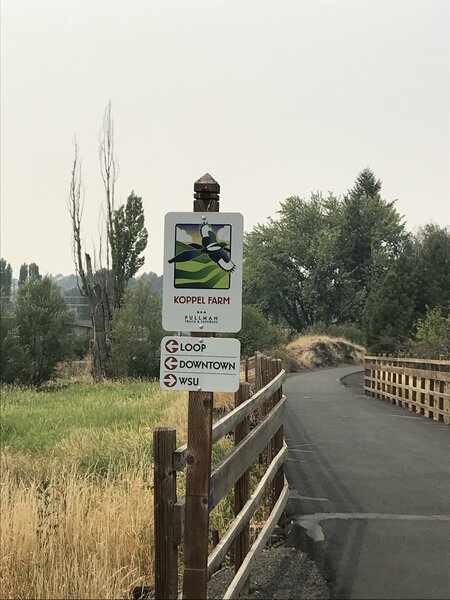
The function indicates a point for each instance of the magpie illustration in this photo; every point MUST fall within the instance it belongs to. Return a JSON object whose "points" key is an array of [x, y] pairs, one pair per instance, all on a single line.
{"points": [[216, 251]]}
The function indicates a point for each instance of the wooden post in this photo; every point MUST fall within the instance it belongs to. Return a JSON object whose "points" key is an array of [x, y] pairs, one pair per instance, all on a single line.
{"points": [[198, 457], [258, 372], [242, 486], [278, 438], [267, 377], [165, 497]]}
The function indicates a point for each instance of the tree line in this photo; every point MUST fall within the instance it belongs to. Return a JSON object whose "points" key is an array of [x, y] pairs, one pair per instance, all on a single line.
{"points": [[38, 332], [348, 263], [337, 265]]}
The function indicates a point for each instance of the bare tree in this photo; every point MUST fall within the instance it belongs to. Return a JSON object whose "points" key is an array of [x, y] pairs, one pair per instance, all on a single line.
{"points": [[92, 284], [126, 239], [109, 170]]}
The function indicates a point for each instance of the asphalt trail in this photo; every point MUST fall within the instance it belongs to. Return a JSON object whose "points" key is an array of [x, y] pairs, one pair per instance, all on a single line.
{"points": [[373, 481]]}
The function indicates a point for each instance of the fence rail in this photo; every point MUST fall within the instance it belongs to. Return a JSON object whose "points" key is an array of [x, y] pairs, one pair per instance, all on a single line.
{"points": [[420, 385], [259, 398]]}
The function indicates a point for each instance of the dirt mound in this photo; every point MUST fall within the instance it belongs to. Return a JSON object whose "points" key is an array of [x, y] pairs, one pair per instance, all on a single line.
{"points": [[316, 351]]}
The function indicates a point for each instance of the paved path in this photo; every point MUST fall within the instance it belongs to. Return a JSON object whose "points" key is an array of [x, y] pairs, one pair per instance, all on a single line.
{"points": [[373, 482]]}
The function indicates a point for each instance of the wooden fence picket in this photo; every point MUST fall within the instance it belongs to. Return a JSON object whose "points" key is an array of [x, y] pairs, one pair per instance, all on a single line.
{"points": [[420, 385]]}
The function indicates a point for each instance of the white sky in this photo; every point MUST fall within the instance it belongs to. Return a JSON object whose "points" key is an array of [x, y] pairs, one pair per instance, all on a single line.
{"points": [[273, 98]]}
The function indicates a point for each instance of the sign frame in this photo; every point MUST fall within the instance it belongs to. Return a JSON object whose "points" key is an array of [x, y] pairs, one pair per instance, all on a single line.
{"points": [[200, 364], [197, 256]]}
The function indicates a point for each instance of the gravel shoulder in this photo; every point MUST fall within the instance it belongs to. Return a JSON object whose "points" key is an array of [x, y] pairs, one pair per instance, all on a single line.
{"points": [[279, 572]]}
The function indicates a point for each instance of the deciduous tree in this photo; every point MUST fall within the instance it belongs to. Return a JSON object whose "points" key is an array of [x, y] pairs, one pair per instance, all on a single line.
{"points": [[258, 333], [126, 237], [432, 253]]}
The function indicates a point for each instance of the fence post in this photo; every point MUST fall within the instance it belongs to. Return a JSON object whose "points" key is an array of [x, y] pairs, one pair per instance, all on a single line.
{"points": [[258, 373], [242, 486], [278, 438], [165, 497], [198, 457], [268, 375]]}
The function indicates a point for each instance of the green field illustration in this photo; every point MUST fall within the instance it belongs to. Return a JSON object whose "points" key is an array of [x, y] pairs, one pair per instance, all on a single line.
{"points": [[202, 256]]}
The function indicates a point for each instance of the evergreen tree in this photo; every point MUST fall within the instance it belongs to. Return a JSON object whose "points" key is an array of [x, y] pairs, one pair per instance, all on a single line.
{"points": [[366, 184], [390, 311], [14, 359], [43, 325], [370, 235]]}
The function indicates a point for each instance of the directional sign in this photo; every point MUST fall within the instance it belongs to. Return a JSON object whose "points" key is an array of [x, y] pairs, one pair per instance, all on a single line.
{"points": [[171, 345], [200, 364], [170, 380], [202, 283], [171, 363]]}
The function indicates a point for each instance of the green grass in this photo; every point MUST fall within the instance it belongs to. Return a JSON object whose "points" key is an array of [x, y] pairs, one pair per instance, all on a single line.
{"points": [[90, 426], [76, 471]]}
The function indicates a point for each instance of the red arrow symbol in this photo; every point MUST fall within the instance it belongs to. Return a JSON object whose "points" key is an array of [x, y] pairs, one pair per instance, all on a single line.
{"points": [[170, 380], [171, 363], [171, 346]]}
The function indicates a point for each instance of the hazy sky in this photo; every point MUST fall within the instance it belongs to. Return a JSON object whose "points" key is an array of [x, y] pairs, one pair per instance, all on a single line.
{"points": [[273, 98]]}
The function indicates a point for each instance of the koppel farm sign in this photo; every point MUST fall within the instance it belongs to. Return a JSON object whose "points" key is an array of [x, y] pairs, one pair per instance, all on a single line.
{"points": [[202, 284], [200, 364]]}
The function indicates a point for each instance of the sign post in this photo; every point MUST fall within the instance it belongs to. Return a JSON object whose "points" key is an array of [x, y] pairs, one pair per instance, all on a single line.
{"points": [[198, 458], [202, 293]]}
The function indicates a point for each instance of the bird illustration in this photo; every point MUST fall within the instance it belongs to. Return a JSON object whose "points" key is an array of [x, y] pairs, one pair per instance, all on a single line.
{"points": [[216, 251]]}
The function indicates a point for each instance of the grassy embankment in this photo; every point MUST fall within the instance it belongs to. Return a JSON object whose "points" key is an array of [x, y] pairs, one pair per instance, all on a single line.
{"points": [[76, 481], [318, 351]]}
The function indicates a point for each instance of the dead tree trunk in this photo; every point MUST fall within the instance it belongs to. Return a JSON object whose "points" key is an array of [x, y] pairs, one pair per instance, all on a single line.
{"points": [[92, 285]]}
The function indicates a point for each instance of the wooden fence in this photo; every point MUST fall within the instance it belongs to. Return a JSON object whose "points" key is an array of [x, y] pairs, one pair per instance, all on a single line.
{"points": [[421, 385], [256, 422]]}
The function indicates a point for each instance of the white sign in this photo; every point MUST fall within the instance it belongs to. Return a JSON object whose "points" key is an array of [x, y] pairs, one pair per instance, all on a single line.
{"points": [[202, 283], [200, 364]]}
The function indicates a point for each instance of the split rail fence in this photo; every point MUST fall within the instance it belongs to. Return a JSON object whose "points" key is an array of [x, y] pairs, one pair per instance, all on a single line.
{"points": [[257, 425], [421, 385]]}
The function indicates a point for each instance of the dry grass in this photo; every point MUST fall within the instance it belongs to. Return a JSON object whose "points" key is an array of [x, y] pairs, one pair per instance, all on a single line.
{"points": [[76, 537], [73, 525], [76, 480], [76, 497], [224, 401], [312, 352]]}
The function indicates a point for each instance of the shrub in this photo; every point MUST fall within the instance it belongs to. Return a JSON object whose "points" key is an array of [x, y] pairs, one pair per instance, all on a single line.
{"points": [[258, 333], [432, 337]]}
